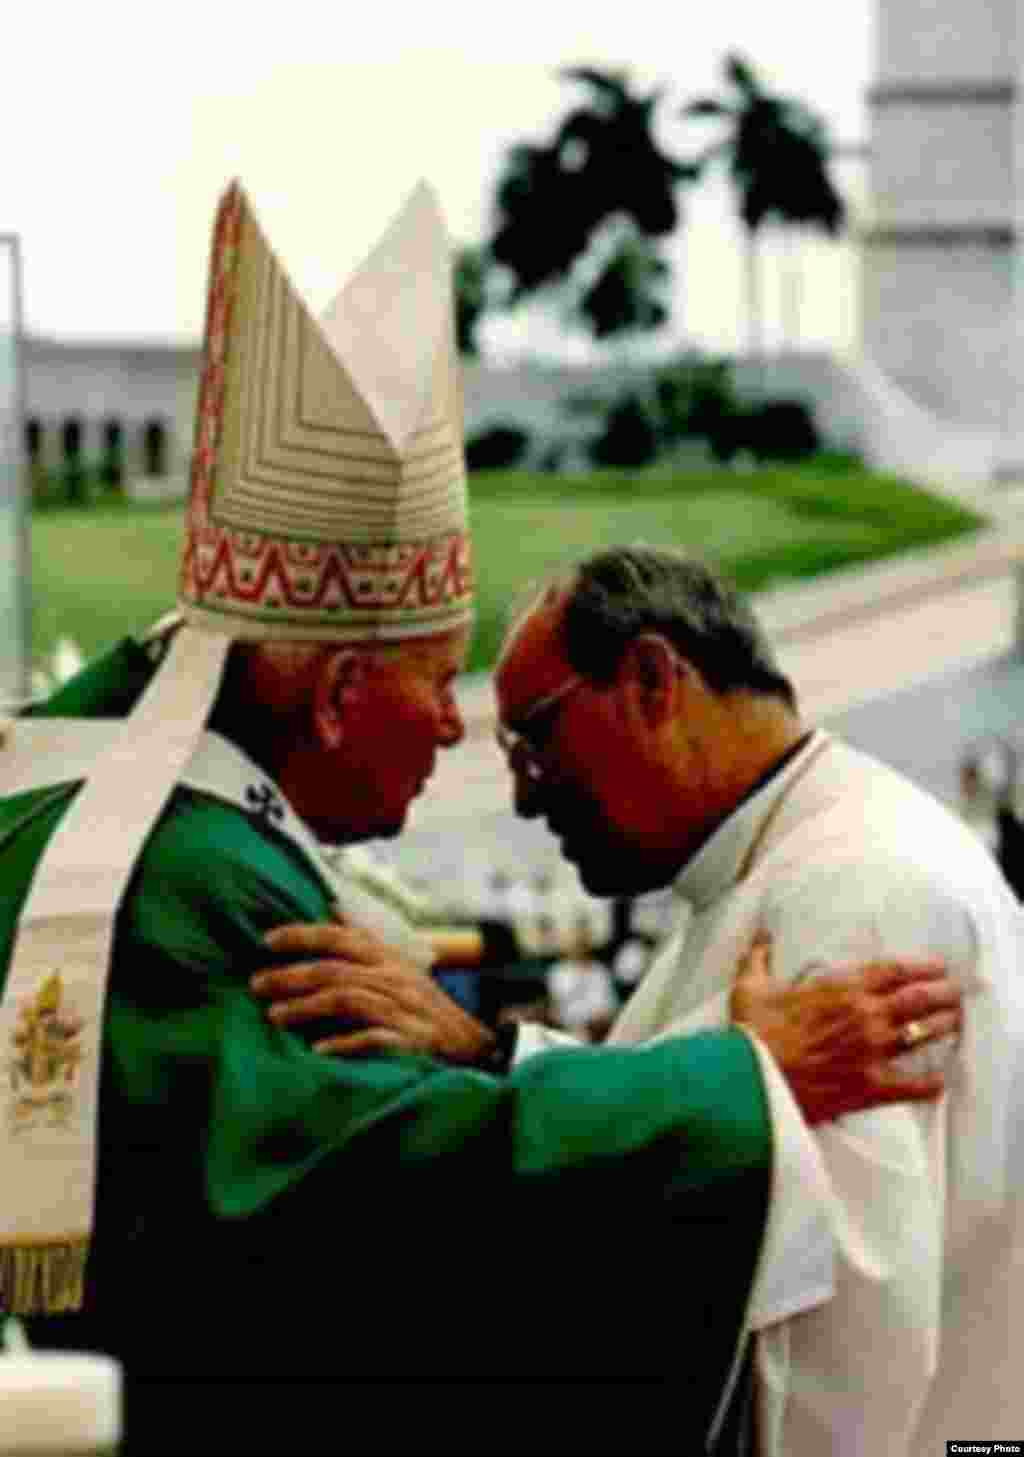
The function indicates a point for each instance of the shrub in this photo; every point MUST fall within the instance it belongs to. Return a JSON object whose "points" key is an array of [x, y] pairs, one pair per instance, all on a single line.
{"points": [[630, 436], [782, 430], [501, 447], [775, 430], [693, 398]]}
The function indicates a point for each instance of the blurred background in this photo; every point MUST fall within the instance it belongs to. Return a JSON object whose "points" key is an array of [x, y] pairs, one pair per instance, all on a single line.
{"points": [[746, 279]]}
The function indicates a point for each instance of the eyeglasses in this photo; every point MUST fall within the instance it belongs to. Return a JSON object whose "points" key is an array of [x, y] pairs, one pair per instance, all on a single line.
{"points": [[524, 744]]}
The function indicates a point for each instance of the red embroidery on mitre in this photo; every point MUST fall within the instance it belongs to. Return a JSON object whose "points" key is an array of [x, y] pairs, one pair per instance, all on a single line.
{"points": [[259, 572], [227, 231]]}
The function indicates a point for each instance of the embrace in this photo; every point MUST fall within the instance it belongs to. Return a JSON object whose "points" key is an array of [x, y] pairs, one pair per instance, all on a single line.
{"points": [[240, 1100]]}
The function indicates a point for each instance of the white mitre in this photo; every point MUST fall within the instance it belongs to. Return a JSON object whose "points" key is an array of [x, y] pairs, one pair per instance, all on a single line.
{"points": [[328, 484]]}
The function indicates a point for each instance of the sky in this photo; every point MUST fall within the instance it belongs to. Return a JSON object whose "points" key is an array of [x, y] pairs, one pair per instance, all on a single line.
{"points": [[122, 123]]}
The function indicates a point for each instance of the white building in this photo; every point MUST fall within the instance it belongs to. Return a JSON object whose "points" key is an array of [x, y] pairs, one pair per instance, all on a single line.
{"points": [[132, 383]]}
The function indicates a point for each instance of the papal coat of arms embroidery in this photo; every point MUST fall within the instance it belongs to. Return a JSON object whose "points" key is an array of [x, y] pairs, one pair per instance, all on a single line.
{"points": [[46, 1055]]}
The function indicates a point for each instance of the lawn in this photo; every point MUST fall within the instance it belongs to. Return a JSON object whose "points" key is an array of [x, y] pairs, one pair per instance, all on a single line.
{"points": [[108, 569]]}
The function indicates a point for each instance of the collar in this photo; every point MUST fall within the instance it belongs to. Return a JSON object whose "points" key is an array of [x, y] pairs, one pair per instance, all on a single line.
{"points": [[721, 860]]}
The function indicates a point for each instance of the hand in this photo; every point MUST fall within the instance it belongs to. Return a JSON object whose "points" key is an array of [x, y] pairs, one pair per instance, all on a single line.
{"points": [[356, 977], [834, 1038]]}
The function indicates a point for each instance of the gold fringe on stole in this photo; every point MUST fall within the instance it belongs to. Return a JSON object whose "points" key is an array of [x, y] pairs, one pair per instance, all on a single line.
{"points": [[43, 1279]]}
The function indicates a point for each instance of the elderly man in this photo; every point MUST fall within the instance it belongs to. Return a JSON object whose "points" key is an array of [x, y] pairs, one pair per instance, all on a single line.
{"points": [[198, 1190], [645, 718]]}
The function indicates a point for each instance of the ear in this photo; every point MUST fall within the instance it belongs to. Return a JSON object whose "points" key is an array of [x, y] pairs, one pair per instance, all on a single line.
{"points": [[339, 687], [650, 672]]}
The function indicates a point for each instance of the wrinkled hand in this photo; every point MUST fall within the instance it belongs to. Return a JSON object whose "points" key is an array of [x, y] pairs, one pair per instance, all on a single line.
{"points": [[344, 972], [834, 1038]]}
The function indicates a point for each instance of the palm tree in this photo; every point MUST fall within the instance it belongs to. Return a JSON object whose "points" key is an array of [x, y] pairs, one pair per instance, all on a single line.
{"points": [[778, 153], [469, 282], [601, 169], [541, 228], [610, 145], [628, 293]]}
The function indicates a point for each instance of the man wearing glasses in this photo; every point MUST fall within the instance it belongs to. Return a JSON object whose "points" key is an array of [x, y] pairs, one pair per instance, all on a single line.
{"points": [[645, 719]]}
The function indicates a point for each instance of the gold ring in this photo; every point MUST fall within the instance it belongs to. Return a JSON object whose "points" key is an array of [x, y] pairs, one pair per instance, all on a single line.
{"points": [[913, 1033]]}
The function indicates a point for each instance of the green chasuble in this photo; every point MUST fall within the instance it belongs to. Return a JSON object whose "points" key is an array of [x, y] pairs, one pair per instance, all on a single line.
{"points": [[267, 1213]]}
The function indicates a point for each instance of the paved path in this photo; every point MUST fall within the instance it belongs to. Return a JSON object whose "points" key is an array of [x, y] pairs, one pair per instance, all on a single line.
{"points": [[923, 730], [870, 659]]}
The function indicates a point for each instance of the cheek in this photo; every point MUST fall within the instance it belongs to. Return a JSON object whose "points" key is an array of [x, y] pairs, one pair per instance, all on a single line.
{"points": [[610, 800], [417, 734]]}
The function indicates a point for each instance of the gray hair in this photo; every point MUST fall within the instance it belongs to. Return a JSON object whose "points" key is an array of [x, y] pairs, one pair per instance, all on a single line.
{"points": [[613, 596]]}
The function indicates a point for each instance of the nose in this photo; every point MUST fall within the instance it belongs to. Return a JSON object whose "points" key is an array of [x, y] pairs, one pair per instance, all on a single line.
{"points": [[453, 726]]}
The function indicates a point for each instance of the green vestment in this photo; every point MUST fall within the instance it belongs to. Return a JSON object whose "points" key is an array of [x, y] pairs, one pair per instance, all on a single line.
{"points": [[267, 1212]]}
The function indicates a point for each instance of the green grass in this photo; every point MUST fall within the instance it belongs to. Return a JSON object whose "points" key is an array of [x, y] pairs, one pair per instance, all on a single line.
{"points": [[109, 569], [101, 571]]}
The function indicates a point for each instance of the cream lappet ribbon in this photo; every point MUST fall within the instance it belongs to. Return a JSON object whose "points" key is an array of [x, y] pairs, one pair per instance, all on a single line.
{"points": [[52, 1012]]}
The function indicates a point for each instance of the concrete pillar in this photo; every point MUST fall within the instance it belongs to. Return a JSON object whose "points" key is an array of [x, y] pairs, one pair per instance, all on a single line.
{"points": [[1010, 460], [940, 260]]}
